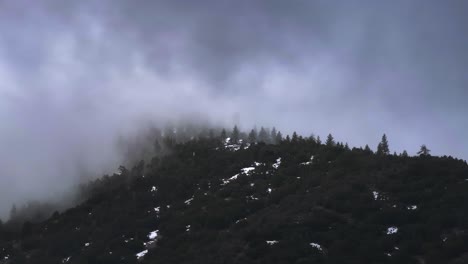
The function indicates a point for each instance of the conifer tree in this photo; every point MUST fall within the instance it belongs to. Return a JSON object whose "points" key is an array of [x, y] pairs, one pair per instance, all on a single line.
{"points": [[312, 138], [294, 138], [252, 136], [346, 147], [382, 148], [404, 154], [330, 141], [235, 135], [263, 135], [367, 149], [288, 139], [319, 141], [279, 137], [273, 136], [223, 134], [424, 151]]}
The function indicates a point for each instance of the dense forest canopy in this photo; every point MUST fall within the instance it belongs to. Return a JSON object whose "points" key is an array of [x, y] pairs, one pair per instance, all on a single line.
{"points": [[232, 196]]}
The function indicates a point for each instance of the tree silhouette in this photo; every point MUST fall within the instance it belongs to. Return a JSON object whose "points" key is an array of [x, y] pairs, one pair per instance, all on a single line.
{"points": [[223, 134], [404, 154], [273, 136], [235, 134], [279, 137], [382, 148], [424, 151], [367, 149], [330, 141], [263, 135], [252, 136]]}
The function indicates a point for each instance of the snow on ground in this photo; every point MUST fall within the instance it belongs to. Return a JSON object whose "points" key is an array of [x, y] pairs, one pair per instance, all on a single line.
{"points": [[392, 230], [157, 209], [272, 242], [87, 244], [269, 190], [252, 197], [317, 246], [234, 146], [189, 201], [153, 235], [240, 220], [247, 171], [65, 260], [277, 164], [187, 228], [230, 179], [154, 189], [141, 254], [308, 162], [412, 207], [376, 195]]}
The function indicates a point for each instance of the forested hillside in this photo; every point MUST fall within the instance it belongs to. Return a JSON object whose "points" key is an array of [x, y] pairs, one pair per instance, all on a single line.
{"points": [[233, 197]]}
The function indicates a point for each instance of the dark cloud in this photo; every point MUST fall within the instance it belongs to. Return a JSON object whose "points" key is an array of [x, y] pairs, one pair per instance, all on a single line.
{"points": [[74, 76]]}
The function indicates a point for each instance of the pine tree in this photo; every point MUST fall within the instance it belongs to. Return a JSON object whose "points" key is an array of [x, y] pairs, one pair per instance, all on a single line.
{"points": [[263, 136], [424, 151], [294, 138], [273, 136], [279, 137], [346, 147], [223, 134], [367, 149], [312, 138], [252, 136], [382, 148], [235, 135], [288, 139], [330, 141], [404, 154], [319, 141]]}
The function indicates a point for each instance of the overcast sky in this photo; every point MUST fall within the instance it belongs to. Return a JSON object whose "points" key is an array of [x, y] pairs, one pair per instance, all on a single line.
{"points": [[74, 75]]}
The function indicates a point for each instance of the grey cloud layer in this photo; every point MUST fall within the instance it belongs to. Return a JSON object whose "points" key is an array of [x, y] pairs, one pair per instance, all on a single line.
{"points": [[75, 76]]}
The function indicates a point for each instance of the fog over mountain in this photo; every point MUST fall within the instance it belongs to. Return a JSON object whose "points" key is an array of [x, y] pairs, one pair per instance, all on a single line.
{"points": [[76, 76]]}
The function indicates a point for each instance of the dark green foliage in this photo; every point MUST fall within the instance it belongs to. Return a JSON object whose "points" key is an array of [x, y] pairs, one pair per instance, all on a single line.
{"points": [[279, 137], [424, 151], [330, 141], [317, 194], [382, 147]]}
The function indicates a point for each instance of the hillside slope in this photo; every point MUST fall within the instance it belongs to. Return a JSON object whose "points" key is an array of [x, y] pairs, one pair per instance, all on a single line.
{"points": [[294, 202]]}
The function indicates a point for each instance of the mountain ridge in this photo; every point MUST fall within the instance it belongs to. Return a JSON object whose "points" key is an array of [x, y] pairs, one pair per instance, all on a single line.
{"points": [[212, 200]]}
